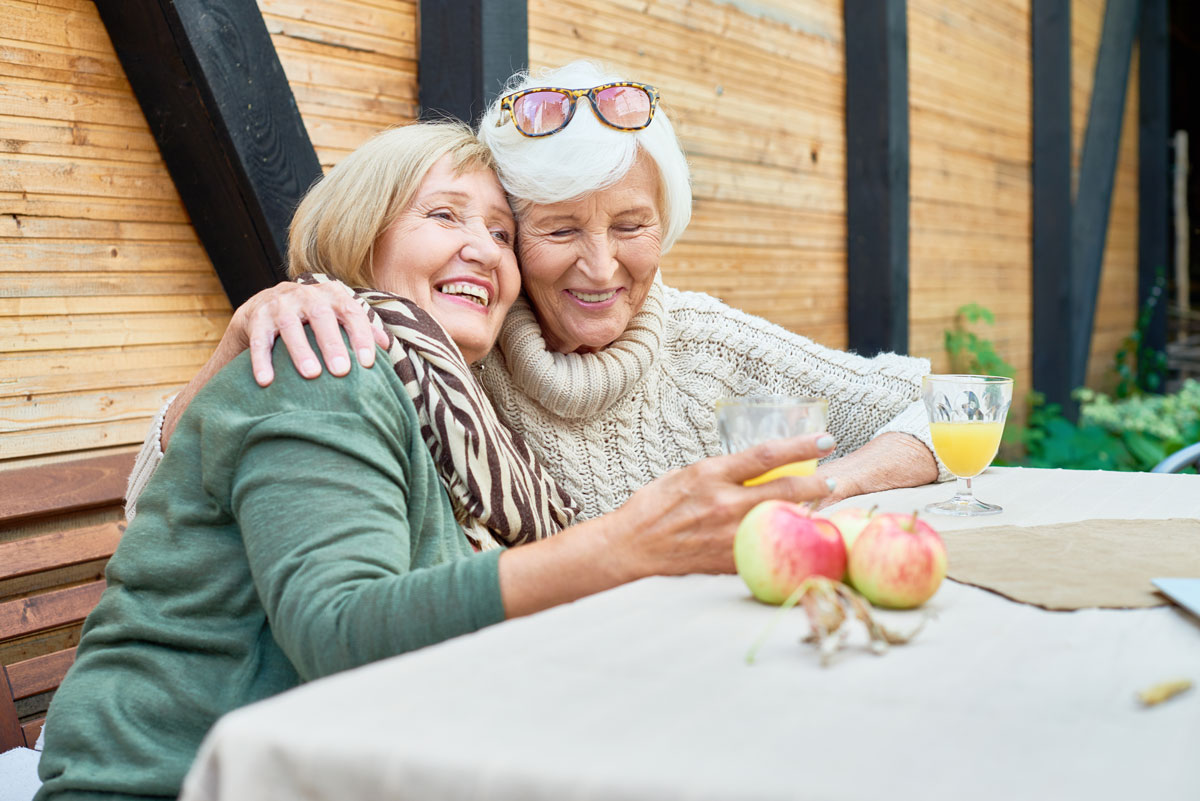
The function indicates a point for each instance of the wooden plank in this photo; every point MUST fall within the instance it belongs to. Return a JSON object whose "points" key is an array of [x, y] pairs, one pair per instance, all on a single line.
{"points": [[468, 50], [73, 439], [11, 735], [40, 674], [1097, 173], [50, 610], [32, 730], [1052, 202], [877, 176], [66, 487], [221, 110], [111, 257], [27, 413], [59, 549], [1153, 177], [109, 330], [84, 284]]}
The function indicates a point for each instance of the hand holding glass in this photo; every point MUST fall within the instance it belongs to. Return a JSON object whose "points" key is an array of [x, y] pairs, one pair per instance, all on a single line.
{"points": [[745, 422], [966, 420]]}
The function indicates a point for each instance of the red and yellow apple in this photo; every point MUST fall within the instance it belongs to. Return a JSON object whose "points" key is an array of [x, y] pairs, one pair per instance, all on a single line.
{"points": [[851, 520], [779, 544], [897, 561]]}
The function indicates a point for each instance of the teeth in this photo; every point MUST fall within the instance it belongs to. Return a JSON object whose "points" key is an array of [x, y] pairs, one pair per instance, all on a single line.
{"points": [[472, 291], [593, 297]]}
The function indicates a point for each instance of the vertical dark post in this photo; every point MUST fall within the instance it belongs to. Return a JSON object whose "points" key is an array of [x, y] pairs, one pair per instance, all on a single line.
{"points": [[876, 39], [1153, 177], [1051, 52], [207, 78], [1097, 174], [468, 49]]}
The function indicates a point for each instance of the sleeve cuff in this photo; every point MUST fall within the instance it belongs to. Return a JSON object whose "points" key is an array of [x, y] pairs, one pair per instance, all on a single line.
{"points": [[147, 461]]}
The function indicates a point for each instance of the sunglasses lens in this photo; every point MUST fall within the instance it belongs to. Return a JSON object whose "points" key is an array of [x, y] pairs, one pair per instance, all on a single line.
{"points": [[624, 106], [541, 112]]}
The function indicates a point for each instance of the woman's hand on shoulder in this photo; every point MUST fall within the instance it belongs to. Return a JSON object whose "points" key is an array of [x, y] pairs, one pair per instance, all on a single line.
{"points": [[282, 311], [684, 522]]}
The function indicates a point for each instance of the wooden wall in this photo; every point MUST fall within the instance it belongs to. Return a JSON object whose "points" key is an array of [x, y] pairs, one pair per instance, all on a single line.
{"points": [[108, 302], [755, 92]]}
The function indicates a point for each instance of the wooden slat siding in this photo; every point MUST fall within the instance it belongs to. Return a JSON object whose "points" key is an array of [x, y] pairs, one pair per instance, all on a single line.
{"points": [[221, 110], [40, 674], [970, 134], [103, 275], [757, 101], [877, 155], [61, 488], [1153, 171], [1052, 197], [1097, 176], [49, 610], [1116, 305], [352, 67], [60, 549]]}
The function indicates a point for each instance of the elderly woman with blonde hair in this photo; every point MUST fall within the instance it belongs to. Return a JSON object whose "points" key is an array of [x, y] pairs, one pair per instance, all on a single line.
{"points": [[313, 526]]}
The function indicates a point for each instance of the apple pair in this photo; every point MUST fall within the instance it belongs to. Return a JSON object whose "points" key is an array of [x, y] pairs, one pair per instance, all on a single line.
{"points": [[894, 560]]}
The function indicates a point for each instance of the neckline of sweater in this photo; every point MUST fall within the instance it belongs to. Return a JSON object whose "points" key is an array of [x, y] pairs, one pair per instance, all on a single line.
{"points": [[580, 385]]}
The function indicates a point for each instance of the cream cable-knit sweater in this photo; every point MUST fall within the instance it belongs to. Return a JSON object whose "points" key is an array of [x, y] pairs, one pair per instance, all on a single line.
{"points": [[606, 424]]}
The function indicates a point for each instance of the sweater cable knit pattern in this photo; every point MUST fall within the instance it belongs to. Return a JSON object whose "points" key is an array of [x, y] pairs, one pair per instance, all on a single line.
{"points": [[607, 423]]}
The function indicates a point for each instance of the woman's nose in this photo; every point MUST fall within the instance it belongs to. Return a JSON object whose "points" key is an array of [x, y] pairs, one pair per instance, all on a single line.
{"points": [[598, 261], [481, 247]]}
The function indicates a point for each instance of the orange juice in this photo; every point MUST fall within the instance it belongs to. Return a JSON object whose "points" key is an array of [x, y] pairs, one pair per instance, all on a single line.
{"points": [[966, 448], [805, 468]]}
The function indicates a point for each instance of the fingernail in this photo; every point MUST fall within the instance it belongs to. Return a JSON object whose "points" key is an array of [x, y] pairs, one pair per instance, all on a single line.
{"points": [[826, 442], [366, 357], [831, 483], [339, 365], [310, 367], [262, 378]]}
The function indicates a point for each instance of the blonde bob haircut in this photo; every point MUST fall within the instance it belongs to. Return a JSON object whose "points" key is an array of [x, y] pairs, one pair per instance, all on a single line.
{"points": [[339, 220]]}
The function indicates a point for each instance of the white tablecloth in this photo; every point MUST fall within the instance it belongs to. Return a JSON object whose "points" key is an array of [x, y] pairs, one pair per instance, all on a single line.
{"points": [[642, 693]]}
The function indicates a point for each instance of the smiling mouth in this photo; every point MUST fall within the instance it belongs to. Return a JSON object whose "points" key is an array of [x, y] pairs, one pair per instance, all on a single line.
{"points": [[593, 297], [472, 292]]}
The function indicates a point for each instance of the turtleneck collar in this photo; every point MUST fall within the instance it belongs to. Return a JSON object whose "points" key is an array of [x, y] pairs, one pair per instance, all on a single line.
{"points": [[576, 385]]}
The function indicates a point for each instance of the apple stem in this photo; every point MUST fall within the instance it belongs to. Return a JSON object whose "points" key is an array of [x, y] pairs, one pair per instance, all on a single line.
{"points": [[871, 512], [912, 524], [791, 601]]}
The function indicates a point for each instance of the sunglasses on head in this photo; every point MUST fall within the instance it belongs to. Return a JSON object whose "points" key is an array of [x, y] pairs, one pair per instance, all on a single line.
{"points": [[546, 110]]}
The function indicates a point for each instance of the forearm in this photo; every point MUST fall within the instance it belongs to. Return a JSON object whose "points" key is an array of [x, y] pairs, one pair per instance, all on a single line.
{"points": [[578, 562], [886, 462]]}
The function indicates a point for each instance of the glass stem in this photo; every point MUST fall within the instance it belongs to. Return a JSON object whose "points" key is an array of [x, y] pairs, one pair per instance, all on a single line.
{"points": [[962, 490]]}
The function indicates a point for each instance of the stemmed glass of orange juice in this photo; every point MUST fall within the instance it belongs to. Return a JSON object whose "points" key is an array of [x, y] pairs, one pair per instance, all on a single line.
{"points": [[966, 419], [745, 422]]}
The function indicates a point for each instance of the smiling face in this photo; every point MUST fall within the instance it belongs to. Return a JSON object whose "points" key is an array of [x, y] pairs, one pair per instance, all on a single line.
{"points": [[451, 252], [588, 264]]}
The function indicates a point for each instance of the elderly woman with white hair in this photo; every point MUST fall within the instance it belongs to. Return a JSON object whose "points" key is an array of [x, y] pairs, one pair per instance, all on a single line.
{"points": [[610, 375]]}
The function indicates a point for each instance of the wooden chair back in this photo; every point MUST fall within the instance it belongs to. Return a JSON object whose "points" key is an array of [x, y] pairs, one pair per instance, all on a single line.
{"points": [[51, 580]]}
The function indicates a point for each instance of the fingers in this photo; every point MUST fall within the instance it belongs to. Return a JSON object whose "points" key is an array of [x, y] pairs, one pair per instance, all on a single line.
{"points": [[291, 331], [778, 456], [796, 489], [324, 323]]}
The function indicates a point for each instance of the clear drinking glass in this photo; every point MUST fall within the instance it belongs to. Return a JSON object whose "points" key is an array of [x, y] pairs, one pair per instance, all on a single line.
{"points": [[744, 422], [966, 419]]}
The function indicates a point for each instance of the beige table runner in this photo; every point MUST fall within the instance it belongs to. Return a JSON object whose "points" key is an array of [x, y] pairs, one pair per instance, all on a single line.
{"points": [[1076, 565]]}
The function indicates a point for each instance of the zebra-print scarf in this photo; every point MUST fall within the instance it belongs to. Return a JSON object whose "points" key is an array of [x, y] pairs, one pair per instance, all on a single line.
{"points": [[500, 494]]}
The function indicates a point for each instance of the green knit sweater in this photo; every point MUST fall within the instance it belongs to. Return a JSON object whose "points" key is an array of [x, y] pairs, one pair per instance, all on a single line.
{"points": [[290, 532]]}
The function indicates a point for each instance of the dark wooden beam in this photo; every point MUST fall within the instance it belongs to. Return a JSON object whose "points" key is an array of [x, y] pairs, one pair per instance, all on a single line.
{"points": [[1154, 175], [1097, 173], [1051, 285], [219, 105], [876, 175], [469, 49]]}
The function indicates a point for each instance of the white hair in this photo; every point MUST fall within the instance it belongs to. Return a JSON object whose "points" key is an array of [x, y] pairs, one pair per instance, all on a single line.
{"points": [[586, 156]]}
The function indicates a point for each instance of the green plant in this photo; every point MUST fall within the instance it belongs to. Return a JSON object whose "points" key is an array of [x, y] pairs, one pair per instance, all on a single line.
{"points": [[1141, 368], [971, 353]]}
